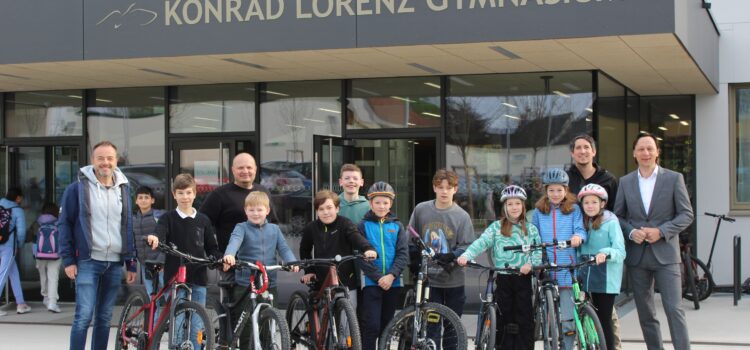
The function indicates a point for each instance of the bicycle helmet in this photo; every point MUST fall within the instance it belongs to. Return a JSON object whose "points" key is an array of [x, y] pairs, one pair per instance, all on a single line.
{"points": [[513, 191], [593, 189], [555, 176], [381, 188]]}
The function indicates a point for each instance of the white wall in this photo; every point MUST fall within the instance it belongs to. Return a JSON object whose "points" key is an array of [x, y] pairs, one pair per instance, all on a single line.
{"points": [[712, 155]]}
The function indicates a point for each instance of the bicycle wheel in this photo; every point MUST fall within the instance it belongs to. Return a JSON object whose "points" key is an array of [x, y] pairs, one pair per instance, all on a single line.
{"points": [[272, 330], [135, 327], [434, 319], [221, 322], [550, 321], [298, 320], [592, 329], [192, 330], [487, 329], [704, 281], [689, 289], [347, 326]]}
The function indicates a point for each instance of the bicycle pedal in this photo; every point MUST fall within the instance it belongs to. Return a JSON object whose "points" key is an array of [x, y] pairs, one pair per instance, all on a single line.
{"points": [[569, 333], [433, 317]]}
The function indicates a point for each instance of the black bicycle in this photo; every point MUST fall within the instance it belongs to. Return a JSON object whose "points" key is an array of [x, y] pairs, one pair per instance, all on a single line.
{"points": [[489, 311]]}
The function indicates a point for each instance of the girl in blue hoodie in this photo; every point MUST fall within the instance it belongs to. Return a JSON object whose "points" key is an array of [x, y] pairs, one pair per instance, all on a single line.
{"points": [[606, 243], [558, 218]]}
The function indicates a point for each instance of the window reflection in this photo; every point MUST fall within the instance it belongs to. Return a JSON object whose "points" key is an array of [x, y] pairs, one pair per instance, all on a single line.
{"points": [[504, 129], [291, 114], [133, 119], [611, 137], [43, 113], [742, 130], [212, 108], [394, 103]]}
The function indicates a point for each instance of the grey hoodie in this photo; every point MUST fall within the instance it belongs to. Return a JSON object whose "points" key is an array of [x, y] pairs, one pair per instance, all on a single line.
{"points": [[105, 204]]}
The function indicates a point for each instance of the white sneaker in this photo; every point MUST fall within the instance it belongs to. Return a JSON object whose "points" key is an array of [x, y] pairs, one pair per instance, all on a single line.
{"points": [[22, 309], [45, 301], [3, 313], [53, 308]]}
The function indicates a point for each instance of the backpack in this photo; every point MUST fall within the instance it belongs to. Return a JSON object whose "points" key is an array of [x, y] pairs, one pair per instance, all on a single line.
{"points": [[6, 217], [48, 242]]}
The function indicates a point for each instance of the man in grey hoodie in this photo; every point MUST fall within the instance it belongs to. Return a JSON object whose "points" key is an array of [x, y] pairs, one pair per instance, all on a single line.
{"points": [[96, 237]]}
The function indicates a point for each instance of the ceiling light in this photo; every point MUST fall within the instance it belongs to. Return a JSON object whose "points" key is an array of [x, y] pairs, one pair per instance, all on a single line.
{"points": [[433, 85], [511, 116], [684, 123], [431, 114], [161, 72], [424, 68], [313, 120], [402, 98], [659, 138], [103, 100], [505, 52], [643, 132], [663, 128], [509, 105], [588, 119], [329, 110], [411, 124], [295, 126], [203, 127], [674, 116], [276, 93], [589, 109], [461, 81], [208, 119], [75, 96], [571, 86], [257, 66], [560, 93]]}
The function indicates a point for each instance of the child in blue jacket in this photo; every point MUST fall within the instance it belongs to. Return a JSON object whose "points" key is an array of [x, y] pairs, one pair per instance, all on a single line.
{"points": [[382, 277]]}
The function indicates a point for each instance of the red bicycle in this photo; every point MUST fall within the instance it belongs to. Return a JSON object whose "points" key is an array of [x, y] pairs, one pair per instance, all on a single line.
{"points": [[186, 325]]}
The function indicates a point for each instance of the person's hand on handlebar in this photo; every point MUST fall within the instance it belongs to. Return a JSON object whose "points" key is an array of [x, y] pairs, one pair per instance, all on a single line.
{"points": [[152, 241], [575, 241], [294, 268], [601, 258], [461, 261], [306, 279], [525, 269], [370, 254], [228, 262]]}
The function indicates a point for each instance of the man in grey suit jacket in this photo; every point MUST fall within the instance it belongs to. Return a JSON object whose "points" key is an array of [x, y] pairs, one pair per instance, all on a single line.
{"points": [[653, 207]]}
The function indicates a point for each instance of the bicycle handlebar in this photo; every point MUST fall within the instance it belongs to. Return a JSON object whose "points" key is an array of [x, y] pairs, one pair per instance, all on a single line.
{"points": [[418, 242], [552, 266], [171, 249], [507, 268], [525, 248], [337, 260], [721, 217]]}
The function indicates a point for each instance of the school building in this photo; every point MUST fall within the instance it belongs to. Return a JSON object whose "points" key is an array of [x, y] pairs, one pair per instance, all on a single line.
{"points": [[493, 89]]}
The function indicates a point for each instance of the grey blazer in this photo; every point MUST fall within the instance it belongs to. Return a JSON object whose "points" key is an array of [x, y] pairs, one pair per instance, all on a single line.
{"points": [[670, 211]]}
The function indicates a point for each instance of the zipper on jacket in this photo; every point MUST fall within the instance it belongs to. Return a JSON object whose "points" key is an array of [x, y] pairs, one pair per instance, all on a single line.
{"points": [[382, 243]]}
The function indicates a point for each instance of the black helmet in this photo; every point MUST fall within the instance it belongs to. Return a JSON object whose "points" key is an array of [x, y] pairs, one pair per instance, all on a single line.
{"points": [[381, 188]]}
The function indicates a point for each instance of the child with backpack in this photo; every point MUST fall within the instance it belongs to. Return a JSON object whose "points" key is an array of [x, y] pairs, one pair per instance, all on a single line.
{"points": [[607, 244], [12, 236], [559, 219], [47, 254], [513, 292]]}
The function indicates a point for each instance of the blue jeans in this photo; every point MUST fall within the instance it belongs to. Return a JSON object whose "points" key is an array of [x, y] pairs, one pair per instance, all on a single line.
{"points": [[567, 308], [149, 285], [9, 270], [97, 284], [198, 296]]}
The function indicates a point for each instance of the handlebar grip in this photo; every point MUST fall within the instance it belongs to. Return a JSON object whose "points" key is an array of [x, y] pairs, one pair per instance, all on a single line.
{"points": [[729, 219], [512, 247], [711, 214]]}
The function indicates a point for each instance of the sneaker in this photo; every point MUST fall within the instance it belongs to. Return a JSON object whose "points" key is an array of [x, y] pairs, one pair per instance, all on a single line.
{"points": [[22, 309], [45, 301], [53, 308], [3, 313]]}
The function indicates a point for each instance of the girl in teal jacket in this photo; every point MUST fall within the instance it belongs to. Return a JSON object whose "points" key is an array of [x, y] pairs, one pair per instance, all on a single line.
{"points": [[606, 243], [513, 292]]}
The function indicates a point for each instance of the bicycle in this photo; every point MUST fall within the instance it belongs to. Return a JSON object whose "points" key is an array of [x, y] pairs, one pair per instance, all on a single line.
{"points": [[697, 277], [269, 327], [547, 325], [324, 318], [489, 310], [411, 327], [137, 328]]}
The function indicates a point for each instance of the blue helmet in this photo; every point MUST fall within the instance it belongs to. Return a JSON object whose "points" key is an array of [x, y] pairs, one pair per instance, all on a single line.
{"points": [[555, 176]]}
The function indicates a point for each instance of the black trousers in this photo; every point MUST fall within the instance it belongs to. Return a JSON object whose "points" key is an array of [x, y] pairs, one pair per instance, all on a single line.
{"points": [[604, 303], [377, 308], [515, 326]]}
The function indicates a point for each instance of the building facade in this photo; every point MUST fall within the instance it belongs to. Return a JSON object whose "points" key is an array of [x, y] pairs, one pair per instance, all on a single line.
{"points": [[493, 89]]}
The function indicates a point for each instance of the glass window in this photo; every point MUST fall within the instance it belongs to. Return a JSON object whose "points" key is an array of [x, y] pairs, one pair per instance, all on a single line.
{"points": [[670, 119], [44, 113], [212, 108], [291, 113], [740, 127], [633, 111], [611, 148], [133, 119], [508, 128], [394, 103]]}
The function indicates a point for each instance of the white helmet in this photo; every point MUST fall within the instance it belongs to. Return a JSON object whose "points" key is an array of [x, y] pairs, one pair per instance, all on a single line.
{"points": [[512, 191], [593, 189]]}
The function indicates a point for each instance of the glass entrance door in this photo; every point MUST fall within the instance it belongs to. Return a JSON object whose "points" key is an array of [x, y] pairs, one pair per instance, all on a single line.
{"points": [[406, 164], [209, 161]]}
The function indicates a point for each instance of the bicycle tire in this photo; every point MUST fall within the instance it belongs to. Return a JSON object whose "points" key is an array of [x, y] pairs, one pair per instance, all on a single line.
{"points": [[137, 325], [185, 310], [704, 280], [550, 322], [298, 320], [273, 330], [488, 329], [221, 321], [592, 329], [689, 290], [398, 333], [347, 326]]}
